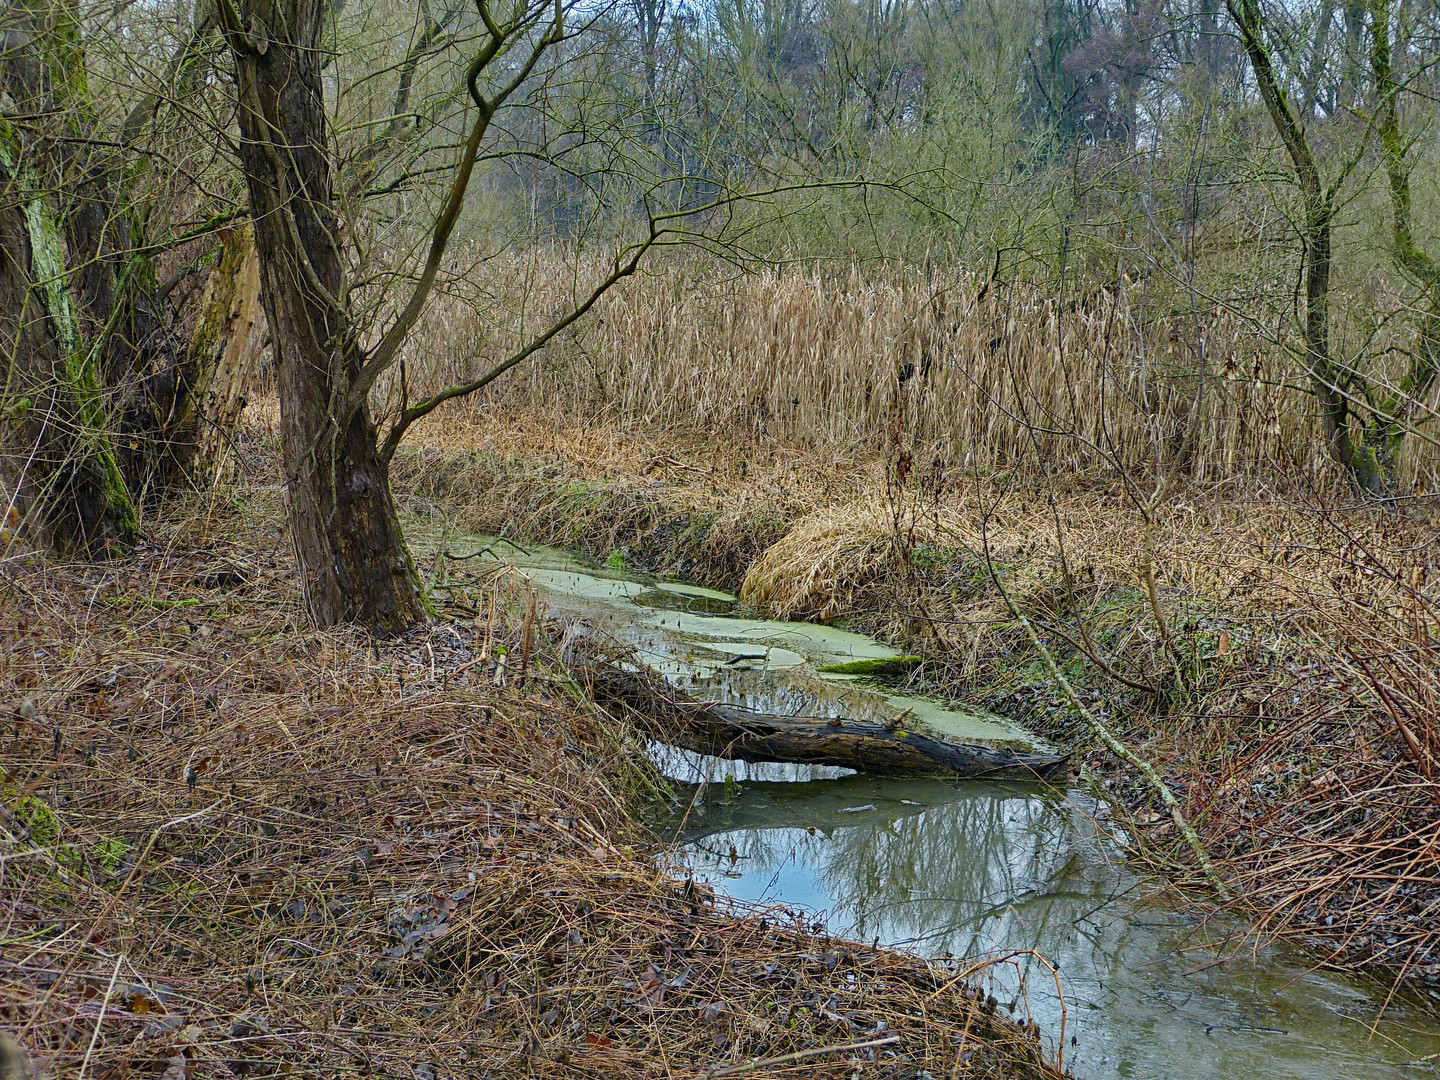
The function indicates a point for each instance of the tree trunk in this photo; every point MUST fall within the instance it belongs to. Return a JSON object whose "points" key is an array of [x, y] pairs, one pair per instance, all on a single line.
{"points": [[1329, 385], [60, 469], [60, 477], [1386, 432], [729, 732], [353, 560], [221, 356]]}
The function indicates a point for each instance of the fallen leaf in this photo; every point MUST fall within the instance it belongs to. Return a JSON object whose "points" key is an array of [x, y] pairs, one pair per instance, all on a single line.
{"points": [[163, 1025], [651, 990]]}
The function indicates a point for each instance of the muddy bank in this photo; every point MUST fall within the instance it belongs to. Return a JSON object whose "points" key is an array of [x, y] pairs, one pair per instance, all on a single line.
{"points": [[1296, 774], [234, 846]]}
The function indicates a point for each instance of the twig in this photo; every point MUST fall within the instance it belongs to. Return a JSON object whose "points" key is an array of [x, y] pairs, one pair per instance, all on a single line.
{"points": [[104, 1002], [799, 1055]]}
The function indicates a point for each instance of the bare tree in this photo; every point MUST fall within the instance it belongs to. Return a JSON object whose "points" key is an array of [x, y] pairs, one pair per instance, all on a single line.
{"points": [[347, 536], [1331, 383]]}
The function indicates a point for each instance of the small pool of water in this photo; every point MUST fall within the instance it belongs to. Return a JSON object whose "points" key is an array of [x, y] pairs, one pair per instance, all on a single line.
{"points": [[998, 873]]}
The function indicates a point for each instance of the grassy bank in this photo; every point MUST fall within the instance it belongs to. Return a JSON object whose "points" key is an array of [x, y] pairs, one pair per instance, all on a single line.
{"points": [[236, 846], [1270, 653]]}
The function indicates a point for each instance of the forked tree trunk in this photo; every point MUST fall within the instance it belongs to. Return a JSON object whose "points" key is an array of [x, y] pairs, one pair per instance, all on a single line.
{"points": [[1328, 381], [353, 561]]}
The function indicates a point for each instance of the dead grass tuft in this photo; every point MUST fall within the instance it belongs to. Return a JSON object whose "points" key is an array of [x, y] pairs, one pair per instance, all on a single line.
{"points": [[818, 568]]}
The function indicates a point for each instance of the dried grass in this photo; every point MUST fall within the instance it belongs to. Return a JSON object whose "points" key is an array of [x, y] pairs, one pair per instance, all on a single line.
{"points": [[815, 570], [686, 506], [797, 358], [233, 846], [1328, 814]]}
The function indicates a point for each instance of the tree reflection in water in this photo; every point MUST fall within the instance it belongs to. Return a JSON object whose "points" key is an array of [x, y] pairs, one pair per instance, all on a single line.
{"points": [[978, 870]]}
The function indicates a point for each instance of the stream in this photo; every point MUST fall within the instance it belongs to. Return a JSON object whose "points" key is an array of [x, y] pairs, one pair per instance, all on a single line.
{"points": [[974, 870]]}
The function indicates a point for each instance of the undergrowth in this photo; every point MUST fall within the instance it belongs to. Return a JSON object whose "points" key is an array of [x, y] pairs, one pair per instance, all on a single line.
{"points": [[1249, 665]]}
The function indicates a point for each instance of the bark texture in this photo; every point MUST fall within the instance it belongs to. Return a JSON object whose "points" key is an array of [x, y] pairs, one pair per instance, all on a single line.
{"points": [[352, 555], [730, 732], [60, 481], [61, 474], [221, 356]]}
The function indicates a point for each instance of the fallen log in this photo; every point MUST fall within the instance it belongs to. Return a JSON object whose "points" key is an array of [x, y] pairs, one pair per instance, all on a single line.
{"points": [[727, 731]]}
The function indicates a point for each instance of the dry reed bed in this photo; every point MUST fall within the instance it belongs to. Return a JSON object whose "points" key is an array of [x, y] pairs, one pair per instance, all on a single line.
{"points": [[1025, 376], [686, 505], [233, 846]]}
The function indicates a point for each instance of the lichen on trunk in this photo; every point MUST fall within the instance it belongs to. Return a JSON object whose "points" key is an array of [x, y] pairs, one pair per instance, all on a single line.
{"points": [[62, 476]]}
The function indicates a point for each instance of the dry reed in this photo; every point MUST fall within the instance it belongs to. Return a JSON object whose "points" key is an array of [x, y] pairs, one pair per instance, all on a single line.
{"points": [[1023, 377]]}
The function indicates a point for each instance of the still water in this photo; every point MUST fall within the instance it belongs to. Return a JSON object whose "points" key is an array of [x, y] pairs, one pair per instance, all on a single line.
{"points": [[998, 875]]}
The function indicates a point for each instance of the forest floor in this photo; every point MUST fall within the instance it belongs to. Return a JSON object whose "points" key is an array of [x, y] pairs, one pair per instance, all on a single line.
{"points": [[234, 845], [1270, 651]]}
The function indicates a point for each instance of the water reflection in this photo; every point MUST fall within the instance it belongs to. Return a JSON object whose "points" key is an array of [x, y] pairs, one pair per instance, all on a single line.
{"points": [[977, 870]]}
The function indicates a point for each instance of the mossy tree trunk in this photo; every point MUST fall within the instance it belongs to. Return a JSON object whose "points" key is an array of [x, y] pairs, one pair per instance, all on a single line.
{"points": [[61, 469], [1387, 431], [1328, 383], [1364, 425], [115, 383]]}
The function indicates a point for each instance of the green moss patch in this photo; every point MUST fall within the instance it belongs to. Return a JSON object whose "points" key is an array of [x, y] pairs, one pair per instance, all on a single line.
{"points": [[889, 665]]}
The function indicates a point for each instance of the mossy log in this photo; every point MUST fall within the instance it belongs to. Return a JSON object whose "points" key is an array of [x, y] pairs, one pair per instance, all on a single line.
{"points": [[727, 731]]}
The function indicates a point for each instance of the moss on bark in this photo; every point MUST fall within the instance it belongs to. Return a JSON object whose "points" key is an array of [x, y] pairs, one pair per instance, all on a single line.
{"points": [[49, 275]]}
